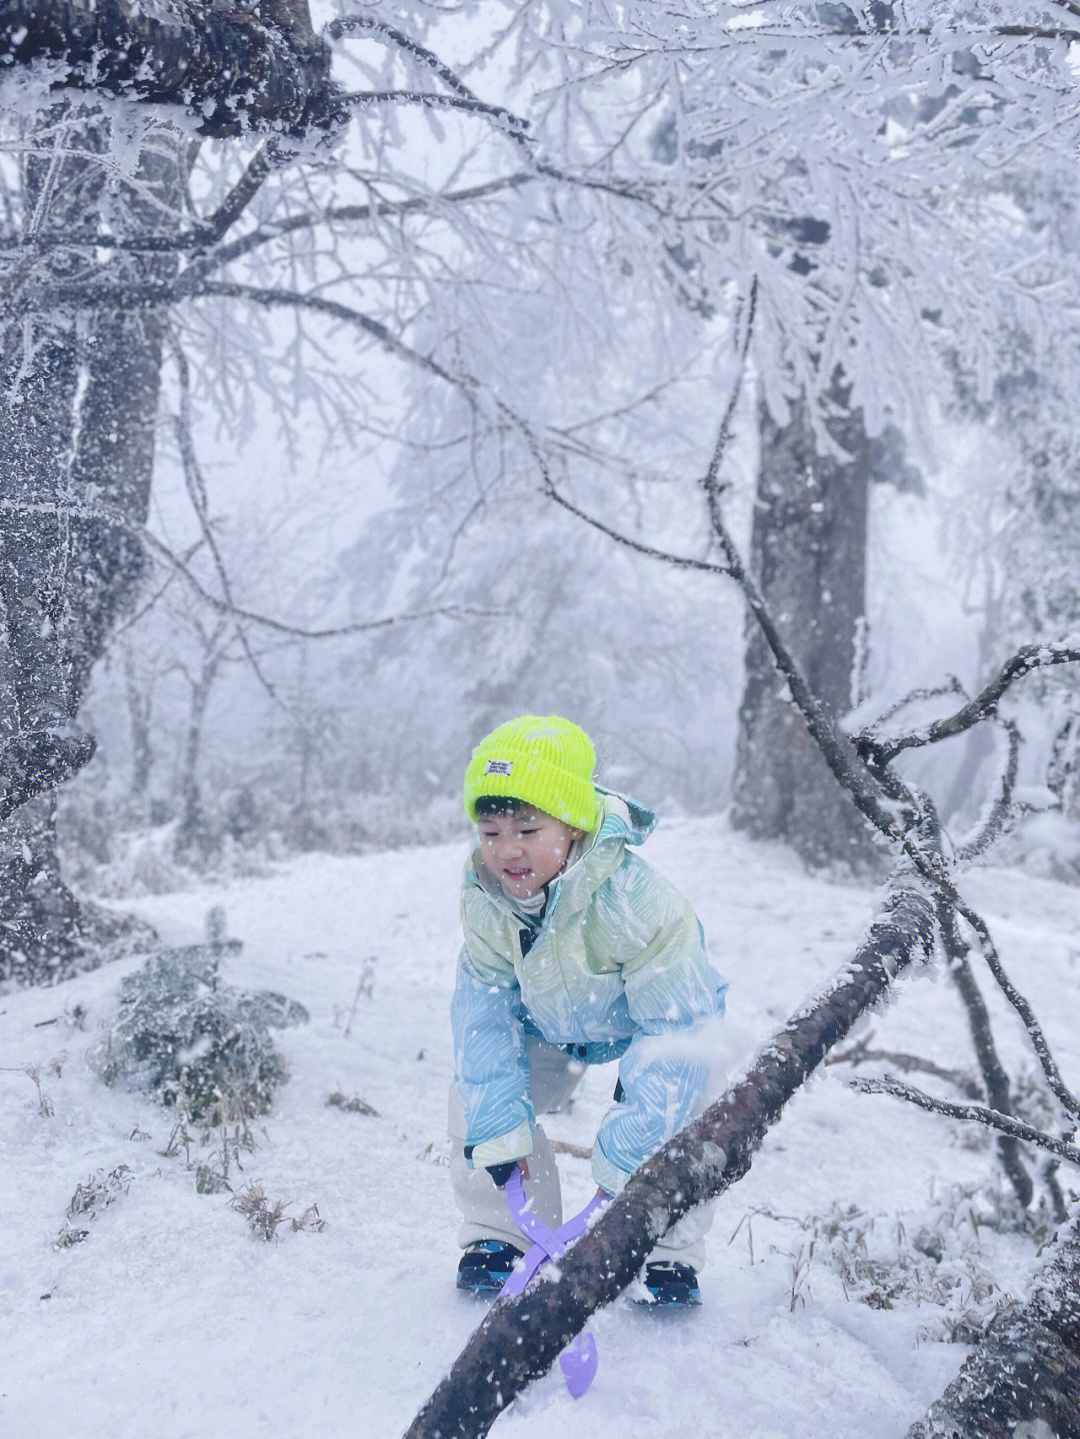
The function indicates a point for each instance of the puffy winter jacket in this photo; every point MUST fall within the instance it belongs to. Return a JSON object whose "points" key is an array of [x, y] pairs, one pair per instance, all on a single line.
{"points": [[618, 969]]}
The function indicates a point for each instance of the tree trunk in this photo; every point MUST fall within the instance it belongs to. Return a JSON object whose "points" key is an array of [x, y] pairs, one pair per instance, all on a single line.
{"points": [[192, 838], [1023, 1382], [808, 553], [235, 61], [521, 1337], [139, 702], [76, 434]]}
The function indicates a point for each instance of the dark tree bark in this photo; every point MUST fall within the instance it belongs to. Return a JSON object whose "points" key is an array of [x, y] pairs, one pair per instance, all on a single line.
{"points": [[1024, 1379], [139, 703], [521, 1338], [78, 404], [230, 63], [192, 838], [995, 1079], [808, 553], [76, 435]]}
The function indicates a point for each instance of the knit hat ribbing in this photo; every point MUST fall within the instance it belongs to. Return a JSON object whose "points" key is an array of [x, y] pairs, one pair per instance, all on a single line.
{"points": [[544, 760]]}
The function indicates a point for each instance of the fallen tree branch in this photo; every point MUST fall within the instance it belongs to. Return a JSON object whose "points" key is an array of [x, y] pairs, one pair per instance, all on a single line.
{"points": [[1024, 1378], [861, 1053], [972, 1113], [520, 1338], [994, 1076]]}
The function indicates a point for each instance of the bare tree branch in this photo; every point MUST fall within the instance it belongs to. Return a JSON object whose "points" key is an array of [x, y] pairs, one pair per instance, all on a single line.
{"points": [[368, 99], [861, 1053], [134, 297], [1024, 662], [201, 236], [1002, 808], [113, 517], [196, 489], [686, 562], [973, 1113]]}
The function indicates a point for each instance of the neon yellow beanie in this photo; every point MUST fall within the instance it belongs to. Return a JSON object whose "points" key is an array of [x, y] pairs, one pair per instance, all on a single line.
{"points": [[541, 759]]}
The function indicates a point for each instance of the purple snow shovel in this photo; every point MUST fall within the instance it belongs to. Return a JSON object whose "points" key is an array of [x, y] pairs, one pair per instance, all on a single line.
{"points": [[578, 1362]]}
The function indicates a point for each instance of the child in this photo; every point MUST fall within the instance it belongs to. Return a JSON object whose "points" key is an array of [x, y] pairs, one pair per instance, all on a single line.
{"points": [[575, 953]]}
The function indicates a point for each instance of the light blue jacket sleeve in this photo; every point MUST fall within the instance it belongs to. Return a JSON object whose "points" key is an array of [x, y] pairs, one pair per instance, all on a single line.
{"points": [[490, 1069], [673, 993]]}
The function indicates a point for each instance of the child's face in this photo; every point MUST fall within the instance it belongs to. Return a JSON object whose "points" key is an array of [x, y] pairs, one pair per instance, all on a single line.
{"points": [[526, 850]]}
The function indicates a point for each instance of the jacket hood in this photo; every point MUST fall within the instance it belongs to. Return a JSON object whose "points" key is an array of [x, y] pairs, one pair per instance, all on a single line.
{"points": [[621, 818]]}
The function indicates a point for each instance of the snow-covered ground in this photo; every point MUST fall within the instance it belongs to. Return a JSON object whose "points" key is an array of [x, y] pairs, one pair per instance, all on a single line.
{"points": [[171, 1321]]}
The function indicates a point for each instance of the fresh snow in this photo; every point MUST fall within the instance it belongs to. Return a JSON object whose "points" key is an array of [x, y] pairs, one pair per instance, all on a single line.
{"points": [[170, 1321]]}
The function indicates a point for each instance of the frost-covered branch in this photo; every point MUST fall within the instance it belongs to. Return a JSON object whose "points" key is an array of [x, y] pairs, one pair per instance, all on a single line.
{"points": [[971, 1113], [358, 100], [867, 737], [1002, 808], [1026, 660], [136, 297], [862, 1053], [1024, 1376], [995, 1078], [344, 25]]}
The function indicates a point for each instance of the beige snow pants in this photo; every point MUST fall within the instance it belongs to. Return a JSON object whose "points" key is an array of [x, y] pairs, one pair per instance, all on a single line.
{"points": [[553, 1076]]}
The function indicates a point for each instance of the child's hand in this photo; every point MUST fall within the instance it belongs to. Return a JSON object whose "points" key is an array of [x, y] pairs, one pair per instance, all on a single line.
{"points": [[501, 1173]]}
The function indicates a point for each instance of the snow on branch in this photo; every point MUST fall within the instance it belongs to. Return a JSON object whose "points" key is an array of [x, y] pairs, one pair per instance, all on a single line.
{"points": [[971, 1113], [984, 704], [205, 234], [230, 65], [1001, 810], [367, 99]]}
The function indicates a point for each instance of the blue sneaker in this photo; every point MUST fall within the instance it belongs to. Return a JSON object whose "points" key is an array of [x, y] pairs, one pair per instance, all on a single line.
{"points": [[671, 1283], [486, 1265]]}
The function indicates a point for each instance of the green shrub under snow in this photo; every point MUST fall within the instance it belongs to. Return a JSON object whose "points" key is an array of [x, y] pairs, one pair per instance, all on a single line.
{"points": [[194, 1043]]}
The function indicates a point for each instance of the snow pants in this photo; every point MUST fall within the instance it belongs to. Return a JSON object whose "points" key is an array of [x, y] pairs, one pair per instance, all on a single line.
{"points": [[553, 1076]]}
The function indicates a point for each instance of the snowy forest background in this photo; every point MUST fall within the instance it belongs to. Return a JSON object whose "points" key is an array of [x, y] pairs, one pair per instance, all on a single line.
{"points": [[374, 375]]}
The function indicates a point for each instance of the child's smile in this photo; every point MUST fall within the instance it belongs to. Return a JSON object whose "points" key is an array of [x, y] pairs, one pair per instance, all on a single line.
{"points": [[525, 850]]}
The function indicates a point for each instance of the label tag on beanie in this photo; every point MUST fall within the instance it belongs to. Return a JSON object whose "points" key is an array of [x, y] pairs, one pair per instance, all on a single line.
{"points": [[499, 766]]}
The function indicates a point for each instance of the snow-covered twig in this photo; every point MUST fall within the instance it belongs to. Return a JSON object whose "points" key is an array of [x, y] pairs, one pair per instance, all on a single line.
{"points": [[951, 686], [974, 1113], [1024, 662], [861, 1053], [1002, 808], [363, 99]]}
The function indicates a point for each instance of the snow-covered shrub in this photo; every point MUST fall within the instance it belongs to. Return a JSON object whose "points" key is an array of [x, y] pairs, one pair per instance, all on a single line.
{"points": [[194, 1043], [935, 1259]]}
